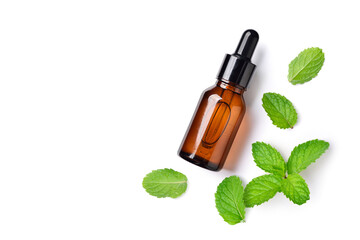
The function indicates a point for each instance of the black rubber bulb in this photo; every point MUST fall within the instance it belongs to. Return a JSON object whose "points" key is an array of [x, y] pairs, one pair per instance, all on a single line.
{"points": [[247, 44]]}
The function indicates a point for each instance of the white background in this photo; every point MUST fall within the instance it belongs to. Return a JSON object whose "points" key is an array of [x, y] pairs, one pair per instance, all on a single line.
{"points": [[96, 94]]}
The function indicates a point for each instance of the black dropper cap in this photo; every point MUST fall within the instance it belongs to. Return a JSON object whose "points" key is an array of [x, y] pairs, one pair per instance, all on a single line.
{"points": [[237, 68]]}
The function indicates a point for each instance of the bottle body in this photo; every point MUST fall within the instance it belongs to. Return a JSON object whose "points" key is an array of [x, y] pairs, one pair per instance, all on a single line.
{"points": [[214, 125]]}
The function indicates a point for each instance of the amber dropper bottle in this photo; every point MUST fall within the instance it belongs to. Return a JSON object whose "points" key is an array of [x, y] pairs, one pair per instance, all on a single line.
{"points": [[221, 109]]}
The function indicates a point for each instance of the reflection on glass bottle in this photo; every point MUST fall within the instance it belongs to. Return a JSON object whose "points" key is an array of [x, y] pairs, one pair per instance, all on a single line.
{"points": [[218, 122]]}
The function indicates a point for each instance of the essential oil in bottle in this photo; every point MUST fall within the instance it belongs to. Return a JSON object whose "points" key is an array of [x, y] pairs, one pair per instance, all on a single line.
{"points": [[221, 109]]}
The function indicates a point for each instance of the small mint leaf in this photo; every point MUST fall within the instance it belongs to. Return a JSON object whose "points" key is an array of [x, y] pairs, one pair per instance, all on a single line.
{"points": [[268, 158], [165, 183], [280, 110], [306, 65], [229, 200], [261, 189], [295, 188]]}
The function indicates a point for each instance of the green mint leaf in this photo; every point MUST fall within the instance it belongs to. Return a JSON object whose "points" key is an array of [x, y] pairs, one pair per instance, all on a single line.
{"points": [[306, 65], [268, 158], [280, 110], [304, 154], [229, 200], [295, 188], [165, 183], [261, 189]]}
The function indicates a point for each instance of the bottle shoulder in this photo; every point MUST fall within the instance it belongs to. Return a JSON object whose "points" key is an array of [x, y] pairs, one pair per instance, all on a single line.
{"points": [[216, 93], [217, 90], [226, 86]]}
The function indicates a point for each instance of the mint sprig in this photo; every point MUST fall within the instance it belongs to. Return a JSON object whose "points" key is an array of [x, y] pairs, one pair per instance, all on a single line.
{"points": [[294, 187], [165, 183], [280, 110], [306, 65]]}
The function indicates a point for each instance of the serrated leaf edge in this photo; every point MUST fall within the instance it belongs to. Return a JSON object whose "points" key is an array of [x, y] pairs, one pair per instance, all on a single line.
{"points": [[269, 198], [252, 151], [328, 145], [295, 188], [233, 197], [290, 126], [181, 182], [291, 80]]}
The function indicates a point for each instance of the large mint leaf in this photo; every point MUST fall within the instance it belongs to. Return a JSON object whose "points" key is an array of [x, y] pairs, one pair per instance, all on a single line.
{"points": [[261, 189], [268, 158], [304, 154], [280, 110], [229, 200], [295, 188], [306, 65], [165, 183]]}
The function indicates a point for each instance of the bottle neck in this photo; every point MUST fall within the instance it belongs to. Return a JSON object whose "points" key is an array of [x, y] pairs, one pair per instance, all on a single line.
{"points": [[230, 86]]}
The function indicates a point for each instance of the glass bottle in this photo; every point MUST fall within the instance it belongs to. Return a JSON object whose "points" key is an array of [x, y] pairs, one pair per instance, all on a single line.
{"points": [[221, 109]]}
